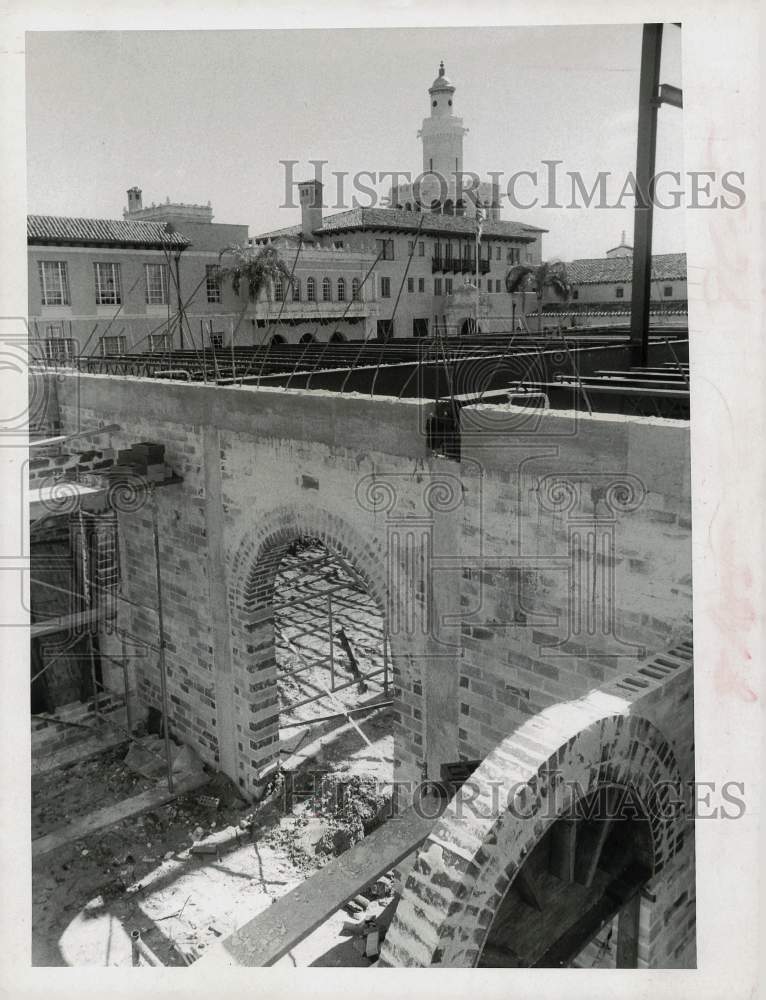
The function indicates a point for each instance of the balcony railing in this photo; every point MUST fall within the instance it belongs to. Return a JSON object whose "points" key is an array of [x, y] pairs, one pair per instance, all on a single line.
{"points": [[458, 265]]}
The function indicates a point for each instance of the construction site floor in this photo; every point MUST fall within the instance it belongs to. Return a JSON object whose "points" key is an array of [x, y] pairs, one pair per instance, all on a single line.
{"points": [[139, 873]]}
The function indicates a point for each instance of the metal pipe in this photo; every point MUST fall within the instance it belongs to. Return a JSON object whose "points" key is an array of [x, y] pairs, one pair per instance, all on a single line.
{"points": [[140, 949], [385, 662], [332, 645], [161, 624]]}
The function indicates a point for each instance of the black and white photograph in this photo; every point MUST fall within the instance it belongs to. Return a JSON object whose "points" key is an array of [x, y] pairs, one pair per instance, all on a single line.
{"points": [[378, 590]]}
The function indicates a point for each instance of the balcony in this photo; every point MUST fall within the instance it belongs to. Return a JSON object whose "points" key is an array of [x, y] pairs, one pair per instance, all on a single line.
{"points": [[304, 310], [458, 265]]}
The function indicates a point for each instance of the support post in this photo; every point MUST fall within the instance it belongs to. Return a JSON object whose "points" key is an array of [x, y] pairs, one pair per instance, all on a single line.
{"points": [[126, 682], [88, 598], [332, 647], [161, 625], [627, 934], [646, 147]]}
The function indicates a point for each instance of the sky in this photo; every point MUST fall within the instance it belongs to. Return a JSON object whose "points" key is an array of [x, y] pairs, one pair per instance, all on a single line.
{"points": [[198, 116]]}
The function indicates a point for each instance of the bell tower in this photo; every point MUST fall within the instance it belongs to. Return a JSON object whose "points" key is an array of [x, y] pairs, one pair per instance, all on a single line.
{"points": [[442, 134]]}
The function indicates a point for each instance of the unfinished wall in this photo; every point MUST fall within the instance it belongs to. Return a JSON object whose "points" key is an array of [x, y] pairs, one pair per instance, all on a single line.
{"points": [[550, 559]]}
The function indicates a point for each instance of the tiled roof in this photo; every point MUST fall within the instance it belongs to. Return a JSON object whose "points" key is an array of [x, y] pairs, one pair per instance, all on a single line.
{"points": [[403, 221], [62, 229], [606, 270]]}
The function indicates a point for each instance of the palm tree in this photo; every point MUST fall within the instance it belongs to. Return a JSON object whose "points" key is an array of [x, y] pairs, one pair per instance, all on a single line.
{"points": [[548, 274], [255, 271]]}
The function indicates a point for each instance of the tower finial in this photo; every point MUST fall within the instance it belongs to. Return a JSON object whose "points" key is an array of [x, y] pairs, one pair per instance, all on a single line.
{"points": [[441, 68]]}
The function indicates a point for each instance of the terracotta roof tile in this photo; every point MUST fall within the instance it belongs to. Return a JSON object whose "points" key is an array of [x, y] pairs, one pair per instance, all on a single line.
{"points": [[606, 270], [403, 221], [63, 229]]}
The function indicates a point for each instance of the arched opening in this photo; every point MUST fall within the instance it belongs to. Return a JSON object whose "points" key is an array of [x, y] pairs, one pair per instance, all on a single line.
{"points": [[590, 809], [307, 338], [278, 338], [338, 338], [469, 327], [408, 206], [449, 208], [436, 206], [566, 902]]}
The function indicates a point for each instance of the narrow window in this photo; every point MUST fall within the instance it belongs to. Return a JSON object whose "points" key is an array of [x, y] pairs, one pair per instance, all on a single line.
{"points": [[326, 290], [311, 290], [212, 283], [156, 284], [341, 290], [108, 291]]}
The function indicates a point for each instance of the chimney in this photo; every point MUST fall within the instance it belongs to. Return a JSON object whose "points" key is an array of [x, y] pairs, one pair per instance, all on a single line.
{"points": [[310, 194], [134, 200]]}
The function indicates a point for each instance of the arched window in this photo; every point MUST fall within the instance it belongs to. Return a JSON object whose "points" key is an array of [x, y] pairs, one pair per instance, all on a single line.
{"points": [[308, 338], [296, 289], [337, 338], [341, 290], [436, 206], [408, 207], [448, 207], [311, 290], [355, 289], [278, 339], [279, 289], [326, 290]]}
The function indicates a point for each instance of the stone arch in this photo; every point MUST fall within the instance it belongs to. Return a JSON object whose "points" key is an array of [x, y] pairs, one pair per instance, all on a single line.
{"points": [[254, 568], [467, 865]]}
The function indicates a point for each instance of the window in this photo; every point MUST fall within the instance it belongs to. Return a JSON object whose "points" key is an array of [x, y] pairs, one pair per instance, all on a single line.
{"points": [[156, 284], [514, 255], [355, 290], [498, 252], [279, 289], [108, 292], [420, 327], [296, 289], [385, 249], [667, 291], [341, 290], [448, 286], [575, 294], [385, 288], [448, 251], [326, 290], [58, 348], [410, 284], [437, 286], [410, 247], [311, 290], [54, 282], [498, 285], [338, 244], [619, 293], [421, 284], [159, 342], [212, 283], [421, 249], [113, 345], [216, 341]]}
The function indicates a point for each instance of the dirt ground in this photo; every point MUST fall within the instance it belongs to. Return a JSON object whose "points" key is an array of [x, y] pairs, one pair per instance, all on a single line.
{"points": [[139, 873], [89, 895]]}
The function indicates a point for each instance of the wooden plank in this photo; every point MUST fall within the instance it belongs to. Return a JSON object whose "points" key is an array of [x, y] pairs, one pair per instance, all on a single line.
{"points": [[109, 815], [592, 839], [275, 931], [563, 843], [627, 934]]}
